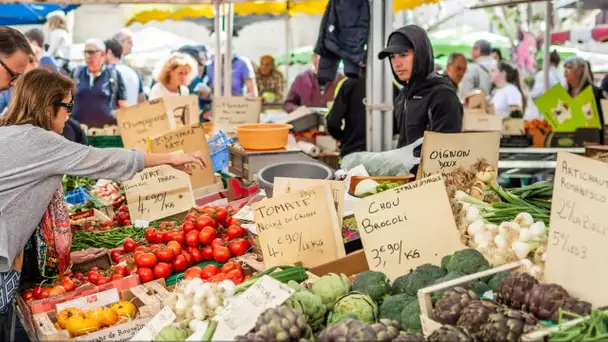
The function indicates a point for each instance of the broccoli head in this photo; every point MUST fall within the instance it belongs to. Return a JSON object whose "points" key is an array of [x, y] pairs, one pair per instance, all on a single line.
{"points": [[445, 260], [393, 305], [410, 317], [497, 279], [375, 284], [421, 277], [467, 261]]}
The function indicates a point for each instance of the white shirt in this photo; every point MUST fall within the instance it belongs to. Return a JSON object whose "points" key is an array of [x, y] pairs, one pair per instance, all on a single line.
{"points": [[506, 96], [555, 77], [131, 81], [59, 44], [159, 90]]}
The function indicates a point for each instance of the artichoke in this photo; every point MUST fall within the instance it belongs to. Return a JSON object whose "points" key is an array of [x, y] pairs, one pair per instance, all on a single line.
{"points": [[310, 305], [386, 330], [497, 279], [348, 330], [171, 333], [507, 325], [330, 287], [512, 291], [354, 303], [476, 314], [409, 337], [576, 306], [450, 333], [451, 304], [545, 300], [279, 324]]}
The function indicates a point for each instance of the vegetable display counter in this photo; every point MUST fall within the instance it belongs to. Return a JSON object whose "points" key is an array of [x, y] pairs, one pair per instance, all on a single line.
{"points": [[520, 165]]}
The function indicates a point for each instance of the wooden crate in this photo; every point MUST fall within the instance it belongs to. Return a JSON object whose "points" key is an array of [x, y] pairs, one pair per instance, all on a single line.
{"points": [[425, 295]]}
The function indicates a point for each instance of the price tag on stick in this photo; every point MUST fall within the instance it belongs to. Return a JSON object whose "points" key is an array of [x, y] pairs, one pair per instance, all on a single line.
{"points": [[579, 231], [229, 111], [400, 230], [158, 192], [137, 123]]}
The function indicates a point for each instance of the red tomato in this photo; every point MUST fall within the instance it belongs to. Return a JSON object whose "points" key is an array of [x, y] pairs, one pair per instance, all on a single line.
{"points": [[204, 221], [117, 276], [116, 253], [189, 258], [93, 277], [196, 255], [129, 245], [158, 237], [217, 243], [37, 292], [150, 232], [207, 253], [190, 218], [45, 292], [193, 272], [123, 270], [28, 295], [179, 237], [188, 226], [78, 275], [179, 263], [68, 284], [166, 236], [231, 221], [145, 275], [141, 249], [239, 247], [192, 239], [127, 222], [235, 232], [94, 268], [207, 235], [235, 275], [229, 266], [209, 271], [175, 246], [153, 248], [218, 278], [165, 254], [162, 270], [221, 214], [146, 260], [104, 280], [221, 254]]}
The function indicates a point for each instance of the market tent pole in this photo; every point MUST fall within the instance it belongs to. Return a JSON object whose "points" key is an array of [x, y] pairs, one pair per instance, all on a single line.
{"points": [[217, 65], [547, 42], [228, 16], [387, 83], [287, 44]]}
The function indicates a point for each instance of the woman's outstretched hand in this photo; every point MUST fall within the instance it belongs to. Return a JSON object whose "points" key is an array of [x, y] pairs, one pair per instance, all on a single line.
{"points": [[186, 161]]}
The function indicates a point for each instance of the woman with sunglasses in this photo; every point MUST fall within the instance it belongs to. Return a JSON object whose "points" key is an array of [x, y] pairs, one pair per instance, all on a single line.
{"points": [[34, 157]]}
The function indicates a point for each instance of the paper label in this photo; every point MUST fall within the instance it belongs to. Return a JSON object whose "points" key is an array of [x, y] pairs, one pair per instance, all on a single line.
{"points": [[240, 315], [229, 111], [182, 110], [579, 233], [246, 214], [162, 319], [141, 121], [158, 192], [400, 230], [44, 324], [91, 301], [298, 226], [445, 153]]}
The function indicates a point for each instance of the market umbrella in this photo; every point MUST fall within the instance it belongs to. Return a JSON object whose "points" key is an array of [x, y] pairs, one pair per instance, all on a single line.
{"points": [[461, 40], [21, 14], [145, 13]]}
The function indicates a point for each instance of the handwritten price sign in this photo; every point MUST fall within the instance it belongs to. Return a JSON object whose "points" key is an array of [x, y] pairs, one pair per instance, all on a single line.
{"points": [[393, 251], [158, 192], [294, 239]]}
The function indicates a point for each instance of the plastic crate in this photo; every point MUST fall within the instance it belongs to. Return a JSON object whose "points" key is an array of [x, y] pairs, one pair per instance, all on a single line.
{"points": [[105, 141], [77, 196], [218, 146]]}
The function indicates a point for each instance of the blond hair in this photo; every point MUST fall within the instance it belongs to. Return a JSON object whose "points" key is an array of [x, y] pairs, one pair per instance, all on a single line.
{"points": [[174, 61], [57, 22]]}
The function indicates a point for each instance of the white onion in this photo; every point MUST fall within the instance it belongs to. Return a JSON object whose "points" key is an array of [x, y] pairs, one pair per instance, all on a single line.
{"points": [[196, 325], [521, 249], [228, 286], [472, 214], [538, 229], [475, 228], [193, 285], [525, 235], [500, 242], [213, 302], [524, 219], [198, 312]]}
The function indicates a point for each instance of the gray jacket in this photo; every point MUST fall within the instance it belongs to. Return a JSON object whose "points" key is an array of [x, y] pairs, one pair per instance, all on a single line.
{"points": [[478, 76], [33, 161]]}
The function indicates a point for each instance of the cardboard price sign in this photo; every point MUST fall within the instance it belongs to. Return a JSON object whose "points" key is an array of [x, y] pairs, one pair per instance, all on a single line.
{"points": [[400, 231], [229, 111], [188, 139], [445, 153], [137, 123], [297, 227], [158, 192], [182, 110], [579, 232]]}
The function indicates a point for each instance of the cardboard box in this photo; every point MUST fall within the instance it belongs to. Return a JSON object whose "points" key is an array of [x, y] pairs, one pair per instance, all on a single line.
{"points": [[478, 121], [350, 264], [147, 302], [598, 152], [511, 126], [476, 99]]}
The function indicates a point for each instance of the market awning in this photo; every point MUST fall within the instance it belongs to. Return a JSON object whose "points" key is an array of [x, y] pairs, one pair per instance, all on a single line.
{"points": [[145, 13], [20, 14]]}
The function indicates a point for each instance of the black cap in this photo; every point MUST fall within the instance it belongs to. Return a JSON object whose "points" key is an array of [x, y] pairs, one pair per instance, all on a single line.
{"points": [[397, 43]]}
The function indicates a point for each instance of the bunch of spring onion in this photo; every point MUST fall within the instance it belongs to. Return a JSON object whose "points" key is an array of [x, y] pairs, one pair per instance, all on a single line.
{"points": [[521, 238]]}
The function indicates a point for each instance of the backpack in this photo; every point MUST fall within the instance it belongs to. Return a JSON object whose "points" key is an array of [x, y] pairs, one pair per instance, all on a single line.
{"points": [[113, 81]]}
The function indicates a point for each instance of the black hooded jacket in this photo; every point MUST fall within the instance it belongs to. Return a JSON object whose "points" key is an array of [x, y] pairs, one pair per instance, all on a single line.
{"points": [[428, 101]]}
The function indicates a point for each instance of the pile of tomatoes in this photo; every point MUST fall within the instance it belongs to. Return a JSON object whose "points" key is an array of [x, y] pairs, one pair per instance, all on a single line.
{"points": [[66, 283], [207, 233], [212, 273]]}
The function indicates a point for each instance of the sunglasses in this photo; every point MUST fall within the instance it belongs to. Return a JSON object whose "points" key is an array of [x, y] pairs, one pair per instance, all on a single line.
{"points": [[14, 75], [68, 106]]}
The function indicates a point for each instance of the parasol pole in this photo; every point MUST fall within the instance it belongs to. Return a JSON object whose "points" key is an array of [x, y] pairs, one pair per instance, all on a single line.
{"points": [[217, 65], [548, 27]]}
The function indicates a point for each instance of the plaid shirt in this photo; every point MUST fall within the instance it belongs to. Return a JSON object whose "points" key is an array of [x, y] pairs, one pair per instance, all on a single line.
{"points": [[272, 84]]}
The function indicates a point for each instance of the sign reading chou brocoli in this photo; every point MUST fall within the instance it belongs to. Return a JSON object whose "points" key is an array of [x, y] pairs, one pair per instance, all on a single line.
{"points": [[400, 230]]}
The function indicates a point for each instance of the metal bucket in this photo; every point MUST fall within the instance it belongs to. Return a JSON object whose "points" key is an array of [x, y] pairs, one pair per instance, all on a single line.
{"points": [[295, 169]]}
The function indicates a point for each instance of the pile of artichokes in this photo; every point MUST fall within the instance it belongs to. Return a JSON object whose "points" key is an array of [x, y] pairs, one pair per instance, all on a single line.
{"points": [[279, 324]]}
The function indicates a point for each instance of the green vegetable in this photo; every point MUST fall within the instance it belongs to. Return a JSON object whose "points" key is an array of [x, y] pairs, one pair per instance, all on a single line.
{"points": [[171, 333], [467, 261], [450, 276], [375, 284], [421, 277], [410, 317], [286, 274], [308, 304], [591, 328], [355, 303], [393, 305], [366, 187], [497, 279], [108, 239], [70, 183], [330, 287]]}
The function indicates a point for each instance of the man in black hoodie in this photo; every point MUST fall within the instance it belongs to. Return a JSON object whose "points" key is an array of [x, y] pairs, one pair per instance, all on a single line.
{"points": [[428, 101]]}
